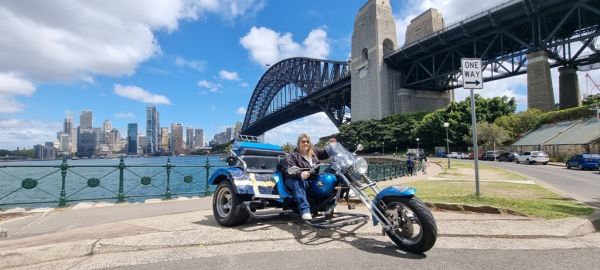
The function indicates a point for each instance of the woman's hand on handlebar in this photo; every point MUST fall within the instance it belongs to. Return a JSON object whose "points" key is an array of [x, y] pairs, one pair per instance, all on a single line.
{"points": [[305, 175]]}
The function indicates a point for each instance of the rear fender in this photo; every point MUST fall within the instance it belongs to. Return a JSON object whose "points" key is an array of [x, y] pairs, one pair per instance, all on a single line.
{"points": [[392, 191]]}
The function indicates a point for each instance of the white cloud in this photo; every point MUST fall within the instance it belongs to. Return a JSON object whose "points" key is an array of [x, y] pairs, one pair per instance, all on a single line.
{"points": [[75, 40], [244, 84], [229, 75], [199, 66], [269, 47], [26, 133], [10, 84], [10, 105], [211, 86], [125, 115], [316, 125], [505, 87], [241, 111], [139, 94]]}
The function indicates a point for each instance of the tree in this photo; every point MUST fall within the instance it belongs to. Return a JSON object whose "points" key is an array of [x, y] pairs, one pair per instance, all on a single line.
{"points": [[489, 135], [288, 147], [591, 99], [518, 124]]}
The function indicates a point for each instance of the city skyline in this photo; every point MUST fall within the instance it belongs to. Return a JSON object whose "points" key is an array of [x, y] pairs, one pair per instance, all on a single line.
{"points": [[197, 62]]}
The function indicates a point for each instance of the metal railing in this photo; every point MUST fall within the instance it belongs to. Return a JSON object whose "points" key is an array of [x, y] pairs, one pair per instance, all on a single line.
{"points": [[390, 169], [119, 183]]}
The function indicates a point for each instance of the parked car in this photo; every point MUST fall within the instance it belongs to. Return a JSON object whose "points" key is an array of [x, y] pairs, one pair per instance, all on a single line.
{"points": [[463, 155], [493, 155], [480, 156], [453, 155], [508, 156], [533, 157], [584, 161]]}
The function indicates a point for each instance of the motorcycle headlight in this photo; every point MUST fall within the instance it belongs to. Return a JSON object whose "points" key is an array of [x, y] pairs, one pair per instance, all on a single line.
{"points": [[360, 165]]}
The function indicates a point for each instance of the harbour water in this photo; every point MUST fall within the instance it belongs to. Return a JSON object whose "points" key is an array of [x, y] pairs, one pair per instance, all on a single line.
{"points": [[39, 183]]}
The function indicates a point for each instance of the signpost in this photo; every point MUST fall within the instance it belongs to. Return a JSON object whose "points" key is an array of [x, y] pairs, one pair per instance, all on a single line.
{"points": [[473, 79]]}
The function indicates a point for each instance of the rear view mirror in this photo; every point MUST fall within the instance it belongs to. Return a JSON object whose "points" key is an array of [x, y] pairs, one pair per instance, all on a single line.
{"points": [[359, 147], [231, 160]]}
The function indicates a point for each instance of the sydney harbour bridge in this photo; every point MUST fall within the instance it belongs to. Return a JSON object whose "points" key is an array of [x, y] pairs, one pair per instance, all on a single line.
{"points": [[507, 37]]}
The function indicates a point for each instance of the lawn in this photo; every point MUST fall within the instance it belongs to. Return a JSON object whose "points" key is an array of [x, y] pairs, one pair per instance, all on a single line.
{"points": [[498, 188]]}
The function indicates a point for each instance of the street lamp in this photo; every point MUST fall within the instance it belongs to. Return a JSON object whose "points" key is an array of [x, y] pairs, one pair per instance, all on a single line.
{"points": [[418, 154], [446, 125], [383, 148]]}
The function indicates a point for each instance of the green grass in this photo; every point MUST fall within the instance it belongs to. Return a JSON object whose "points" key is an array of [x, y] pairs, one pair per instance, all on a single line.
{"points": [[529, 199]]}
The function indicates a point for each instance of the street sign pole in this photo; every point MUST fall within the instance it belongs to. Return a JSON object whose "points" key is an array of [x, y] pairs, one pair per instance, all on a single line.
{"points": [[473, 79]]}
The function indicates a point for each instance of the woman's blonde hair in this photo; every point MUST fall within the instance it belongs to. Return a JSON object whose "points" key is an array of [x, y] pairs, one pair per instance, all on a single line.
{"points": [[311, 151]]}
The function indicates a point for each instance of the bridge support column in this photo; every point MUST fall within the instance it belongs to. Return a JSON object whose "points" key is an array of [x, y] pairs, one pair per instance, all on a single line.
{"points": [[409, 100], [540, 94], [568, 87]]}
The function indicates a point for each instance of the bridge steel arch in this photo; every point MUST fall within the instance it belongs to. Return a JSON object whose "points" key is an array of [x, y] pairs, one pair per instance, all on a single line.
{"points": [[297, 87]]}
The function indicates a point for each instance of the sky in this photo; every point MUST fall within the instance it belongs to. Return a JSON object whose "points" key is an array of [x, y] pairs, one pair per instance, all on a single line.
{"points": [[198, 61]]}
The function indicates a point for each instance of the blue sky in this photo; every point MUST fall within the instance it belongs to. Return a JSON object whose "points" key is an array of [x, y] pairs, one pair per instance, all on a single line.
{"points": [[197, 60]]}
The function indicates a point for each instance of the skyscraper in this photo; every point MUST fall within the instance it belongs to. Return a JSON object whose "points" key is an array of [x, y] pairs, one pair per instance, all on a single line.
{"points": [[164, 139], [68, 124], [177, 138], [189, 138], [199, 138], [85, 119], [152, 130], [87, 140], [132, 137]]}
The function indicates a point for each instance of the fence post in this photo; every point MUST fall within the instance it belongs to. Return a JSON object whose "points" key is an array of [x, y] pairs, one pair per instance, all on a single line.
{"points": [[121, 195], [168, 192], [62, 202], [207, 167]]}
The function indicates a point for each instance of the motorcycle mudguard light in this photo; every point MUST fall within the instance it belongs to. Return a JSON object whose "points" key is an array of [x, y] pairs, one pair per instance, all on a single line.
{"points": [[392, 191], [323, 185]]}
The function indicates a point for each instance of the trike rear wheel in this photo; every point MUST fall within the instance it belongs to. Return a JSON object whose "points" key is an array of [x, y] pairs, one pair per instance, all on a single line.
{"points": [[227, 206]]}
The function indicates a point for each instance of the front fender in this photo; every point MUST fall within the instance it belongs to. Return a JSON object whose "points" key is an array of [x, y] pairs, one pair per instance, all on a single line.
{"points": [[392, 191], [236, 176]]}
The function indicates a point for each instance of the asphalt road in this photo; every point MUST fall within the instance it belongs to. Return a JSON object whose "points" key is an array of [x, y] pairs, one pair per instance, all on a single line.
{"points": [[581, 185]]}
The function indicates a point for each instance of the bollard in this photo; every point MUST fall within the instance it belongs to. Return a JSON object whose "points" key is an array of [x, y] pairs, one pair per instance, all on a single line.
{"points": [[62, 201], [168, 191], [121, 195], [207, 167]]}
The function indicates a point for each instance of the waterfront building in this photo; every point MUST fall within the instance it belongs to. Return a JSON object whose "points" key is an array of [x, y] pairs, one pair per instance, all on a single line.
{"points": [[106, 126], [68, 124], [141, 142], [65, 140], [189, 138], [114, 140], [152, 131], [199, 138], [177, 138], [132, 138], [87, 142], [73, 135], [164, 140]]}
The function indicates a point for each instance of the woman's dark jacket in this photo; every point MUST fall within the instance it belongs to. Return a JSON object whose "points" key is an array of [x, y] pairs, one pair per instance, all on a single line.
{"points": [[296, 159]]}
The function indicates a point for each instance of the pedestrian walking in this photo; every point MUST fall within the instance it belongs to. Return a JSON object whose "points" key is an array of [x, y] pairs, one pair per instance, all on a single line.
{"points": [[424, 164], [410, 165]]}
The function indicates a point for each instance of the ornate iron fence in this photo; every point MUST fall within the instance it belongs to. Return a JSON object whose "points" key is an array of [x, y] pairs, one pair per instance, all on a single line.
{"points": [[117, 183]]}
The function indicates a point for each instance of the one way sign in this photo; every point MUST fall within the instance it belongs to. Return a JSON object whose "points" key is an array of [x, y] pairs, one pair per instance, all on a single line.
{"points": [[471, 73]]}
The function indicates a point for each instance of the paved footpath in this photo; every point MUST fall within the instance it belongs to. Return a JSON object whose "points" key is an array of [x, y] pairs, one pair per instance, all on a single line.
{"points": [[95, 236]]}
